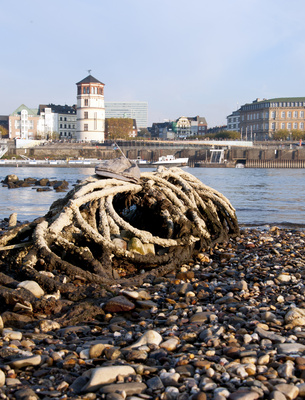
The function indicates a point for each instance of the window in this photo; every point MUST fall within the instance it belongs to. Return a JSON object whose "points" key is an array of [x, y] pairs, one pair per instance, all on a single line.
{"points": [[302, 125], [88, 90], [289, 125], [282, 125], [86, 114], [86, 102], [289, 114], [85, 127], [84, 90], [283, 114], [60, 126], [301, 114], [295, 125], [60, 119], [272, 114], [273, 126], [295, 114]]}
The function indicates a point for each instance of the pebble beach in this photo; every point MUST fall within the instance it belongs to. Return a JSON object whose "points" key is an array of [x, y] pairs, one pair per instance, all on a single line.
{"points": [[230, 324]]}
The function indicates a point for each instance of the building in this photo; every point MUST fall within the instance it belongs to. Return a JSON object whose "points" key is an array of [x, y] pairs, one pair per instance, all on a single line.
{"points": [[163, 130], [261, 118], [190, 126], [133, 109], [90, 124], [233, 121], [23, 123], [64, 120]]}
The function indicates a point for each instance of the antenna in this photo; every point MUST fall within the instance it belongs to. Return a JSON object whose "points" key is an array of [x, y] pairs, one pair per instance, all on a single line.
{"points": [[89, 70]]}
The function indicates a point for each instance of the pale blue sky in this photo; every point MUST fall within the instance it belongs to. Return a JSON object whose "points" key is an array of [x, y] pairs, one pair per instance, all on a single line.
{"points": [[184, 57]]}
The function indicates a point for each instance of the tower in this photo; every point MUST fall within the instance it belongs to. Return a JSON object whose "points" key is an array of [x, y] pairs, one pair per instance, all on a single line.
{"points": [[90, 110]]}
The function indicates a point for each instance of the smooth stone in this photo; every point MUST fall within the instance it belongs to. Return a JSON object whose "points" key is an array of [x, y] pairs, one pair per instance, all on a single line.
{"points": [[12, 382], [2, 378], [12, 221], [26, 362], [170, 344], [170, 378], [244, 395], [269, 335], [149, 248], [26, 394], [290, 391], [295, 317], [104, 375], [96, 350], [118, 304], [277, 395], [150, 337], [155, 383], [129, 388], [120, 243], [48, 325], [136, 246], [200, 317], [32, 287], [114, 396], [288, 348], [301, 388], [284, 278], [11, 335]]}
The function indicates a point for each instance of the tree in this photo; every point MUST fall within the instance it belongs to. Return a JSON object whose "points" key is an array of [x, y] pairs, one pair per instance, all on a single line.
{"points": [[281, 134], [3, 132], [297, 134], [118, 128], [144, 132]]}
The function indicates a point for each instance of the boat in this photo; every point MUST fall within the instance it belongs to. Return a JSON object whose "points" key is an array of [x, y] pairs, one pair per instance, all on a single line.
{"points": [[166, 161], [170, 161], [240, 165]]}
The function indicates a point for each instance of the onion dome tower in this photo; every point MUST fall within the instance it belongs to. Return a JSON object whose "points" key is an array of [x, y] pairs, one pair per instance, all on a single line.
{"points": [[90, 110]]}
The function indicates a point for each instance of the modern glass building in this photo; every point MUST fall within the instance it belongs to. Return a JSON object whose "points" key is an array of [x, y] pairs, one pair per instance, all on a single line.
{"points": [[128, 109]]}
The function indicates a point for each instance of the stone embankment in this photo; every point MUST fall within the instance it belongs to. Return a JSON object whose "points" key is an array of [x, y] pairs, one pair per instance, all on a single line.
{"points": [[230, 324]]}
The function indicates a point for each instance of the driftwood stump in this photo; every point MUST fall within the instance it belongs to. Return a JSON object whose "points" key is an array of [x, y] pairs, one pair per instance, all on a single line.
{"points": [[110, 231]]}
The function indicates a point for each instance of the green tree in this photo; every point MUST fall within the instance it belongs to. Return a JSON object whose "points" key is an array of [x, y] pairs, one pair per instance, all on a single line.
{"points": [[297, 134], [234, 135], [281, 134], [144, 132]]}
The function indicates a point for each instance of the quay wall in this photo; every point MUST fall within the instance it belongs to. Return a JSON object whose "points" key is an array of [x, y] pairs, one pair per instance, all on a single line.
{"points": [[251, 157]]}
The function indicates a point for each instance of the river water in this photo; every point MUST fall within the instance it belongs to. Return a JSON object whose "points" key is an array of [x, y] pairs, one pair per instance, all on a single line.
{"points": [[260, 196]]}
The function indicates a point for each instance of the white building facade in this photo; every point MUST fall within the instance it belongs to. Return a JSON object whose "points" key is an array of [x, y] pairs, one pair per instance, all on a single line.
{"points": [[90, 124]]}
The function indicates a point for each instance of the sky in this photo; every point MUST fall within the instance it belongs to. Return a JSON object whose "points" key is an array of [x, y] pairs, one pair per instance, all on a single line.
{"points": [[183, 57]]}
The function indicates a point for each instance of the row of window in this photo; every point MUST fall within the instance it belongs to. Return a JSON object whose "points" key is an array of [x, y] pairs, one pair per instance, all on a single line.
{"points": [[67, 119], [282, 125], [94, 90], [260, 105], [65, 126], [284, 115]]}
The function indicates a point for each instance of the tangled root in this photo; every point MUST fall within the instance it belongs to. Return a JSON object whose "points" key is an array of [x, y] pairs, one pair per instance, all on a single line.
{"points": [[91, 233]]}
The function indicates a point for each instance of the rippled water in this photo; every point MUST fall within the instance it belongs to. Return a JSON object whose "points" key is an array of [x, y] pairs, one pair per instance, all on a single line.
{"points": [[260, 196]]}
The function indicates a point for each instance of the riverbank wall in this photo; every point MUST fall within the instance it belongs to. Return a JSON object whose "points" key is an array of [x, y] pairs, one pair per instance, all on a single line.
{"points": [[250, 157]]}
